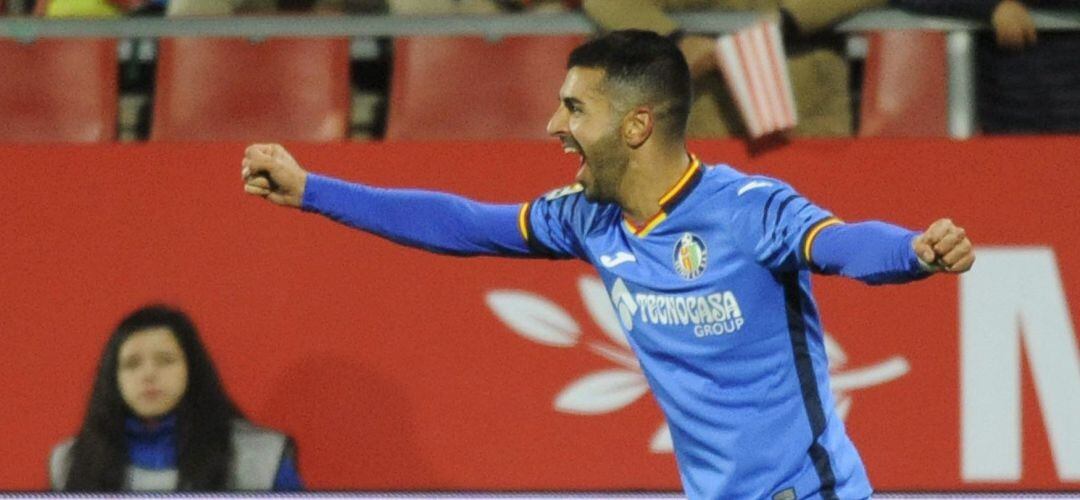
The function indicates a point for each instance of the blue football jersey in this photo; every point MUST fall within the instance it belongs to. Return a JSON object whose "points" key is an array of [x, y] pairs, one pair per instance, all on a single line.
{"points": [[714, 296]]}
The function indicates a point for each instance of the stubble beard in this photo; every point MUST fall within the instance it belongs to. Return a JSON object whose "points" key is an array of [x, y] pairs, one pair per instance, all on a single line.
{"points": [[607, 163]]}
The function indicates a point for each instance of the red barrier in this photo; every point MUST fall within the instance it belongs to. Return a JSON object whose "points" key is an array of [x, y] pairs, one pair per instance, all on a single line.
{"points": [[395, 369]]}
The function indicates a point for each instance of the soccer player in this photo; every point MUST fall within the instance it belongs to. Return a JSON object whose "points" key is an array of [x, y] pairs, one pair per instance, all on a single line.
{"points": [[708, 268]]}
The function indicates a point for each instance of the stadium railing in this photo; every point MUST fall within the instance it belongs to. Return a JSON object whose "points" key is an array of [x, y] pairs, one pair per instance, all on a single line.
{"points": [[960, 43]]}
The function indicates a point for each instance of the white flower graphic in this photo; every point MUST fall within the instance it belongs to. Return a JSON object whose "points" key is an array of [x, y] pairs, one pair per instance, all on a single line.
{"points": [[604, 391]]}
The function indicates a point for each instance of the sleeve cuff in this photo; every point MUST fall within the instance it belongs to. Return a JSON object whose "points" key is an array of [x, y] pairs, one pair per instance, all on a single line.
{"points": [[317, 189]]}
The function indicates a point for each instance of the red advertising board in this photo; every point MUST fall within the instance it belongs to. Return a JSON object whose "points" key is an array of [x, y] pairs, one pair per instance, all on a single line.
{"points": [[396, 369]]}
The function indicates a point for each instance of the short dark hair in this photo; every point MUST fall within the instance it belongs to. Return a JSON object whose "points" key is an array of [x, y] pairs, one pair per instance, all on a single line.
{"points": [[204, 414], [647, 62]]}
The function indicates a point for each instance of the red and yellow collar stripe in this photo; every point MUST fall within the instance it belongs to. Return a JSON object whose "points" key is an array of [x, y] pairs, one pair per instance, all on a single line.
{"points": [[672, 198]]}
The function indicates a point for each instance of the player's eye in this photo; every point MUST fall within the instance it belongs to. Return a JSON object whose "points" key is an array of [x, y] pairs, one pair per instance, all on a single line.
{"points": [[572, 106]]}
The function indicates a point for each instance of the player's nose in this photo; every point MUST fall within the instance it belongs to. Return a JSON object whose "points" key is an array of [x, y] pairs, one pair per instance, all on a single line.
{"points": [[557, 125]]}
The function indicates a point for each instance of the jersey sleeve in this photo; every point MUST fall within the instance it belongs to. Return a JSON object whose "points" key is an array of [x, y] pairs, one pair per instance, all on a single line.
{"points": [[775, 224], [434, 221], [553, 225], [873, 252]]}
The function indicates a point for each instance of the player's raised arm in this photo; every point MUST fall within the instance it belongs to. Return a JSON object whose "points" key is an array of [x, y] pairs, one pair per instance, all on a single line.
{"points": [[878, 252], [434, 221], [785, 231]]}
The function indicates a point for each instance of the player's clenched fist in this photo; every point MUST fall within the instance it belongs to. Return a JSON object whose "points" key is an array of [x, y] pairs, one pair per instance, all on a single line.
{"points": [[270, 171], [945, 247]]}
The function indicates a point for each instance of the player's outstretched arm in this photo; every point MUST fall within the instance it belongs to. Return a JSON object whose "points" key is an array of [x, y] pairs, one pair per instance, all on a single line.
{"points": [[879, 253], [434, 221]]}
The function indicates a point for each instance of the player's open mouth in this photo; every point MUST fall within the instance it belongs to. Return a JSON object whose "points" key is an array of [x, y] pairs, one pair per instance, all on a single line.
{"points": [[581, 167], [570, 147]]}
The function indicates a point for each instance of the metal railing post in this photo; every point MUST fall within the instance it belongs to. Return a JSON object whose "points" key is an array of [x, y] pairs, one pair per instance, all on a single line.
{"points": [[961, 93]]}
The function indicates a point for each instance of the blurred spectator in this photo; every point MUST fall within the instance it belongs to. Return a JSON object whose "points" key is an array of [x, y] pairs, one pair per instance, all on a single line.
{"points": [[114, 8], [819, 72], [1026, 81], [159, 419], [439, 7], [227, 7], [82, 8], [96, 8]]}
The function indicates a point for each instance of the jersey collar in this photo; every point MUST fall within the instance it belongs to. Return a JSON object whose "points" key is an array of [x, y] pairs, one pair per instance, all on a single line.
{"points": [[671, 199]]}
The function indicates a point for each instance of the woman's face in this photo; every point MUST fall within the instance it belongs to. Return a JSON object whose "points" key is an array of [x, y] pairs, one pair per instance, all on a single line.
{"points": [[152, 372]]}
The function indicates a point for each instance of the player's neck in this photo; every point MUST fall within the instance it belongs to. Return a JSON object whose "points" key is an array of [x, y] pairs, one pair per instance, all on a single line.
{"points": [[650, 175]]}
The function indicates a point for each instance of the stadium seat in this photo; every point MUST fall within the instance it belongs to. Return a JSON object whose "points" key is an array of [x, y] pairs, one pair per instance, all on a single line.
{"points": [[449, 88], [905, 85], [219, 89], [58, 91]]}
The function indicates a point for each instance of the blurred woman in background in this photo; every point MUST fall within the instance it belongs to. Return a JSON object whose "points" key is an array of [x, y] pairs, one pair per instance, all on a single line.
{"points": [[159, 420]]}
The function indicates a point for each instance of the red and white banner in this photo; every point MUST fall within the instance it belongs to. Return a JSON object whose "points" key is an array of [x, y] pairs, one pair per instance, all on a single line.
{"points": [[756, 71], [396, 369]]}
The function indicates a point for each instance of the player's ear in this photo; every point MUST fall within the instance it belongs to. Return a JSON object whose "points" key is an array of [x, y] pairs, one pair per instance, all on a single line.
{"points": [[637, 126]]}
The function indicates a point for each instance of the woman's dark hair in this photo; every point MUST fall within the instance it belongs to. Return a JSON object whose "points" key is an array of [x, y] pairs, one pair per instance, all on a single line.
{"points": [[99, 457]]}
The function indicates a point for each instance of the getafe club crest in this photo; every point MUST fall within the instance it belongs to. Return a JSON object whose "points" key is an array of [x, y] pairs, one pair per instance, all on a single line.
{"points": [[690, 256]]}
